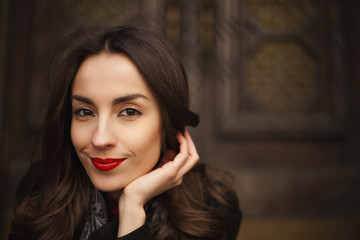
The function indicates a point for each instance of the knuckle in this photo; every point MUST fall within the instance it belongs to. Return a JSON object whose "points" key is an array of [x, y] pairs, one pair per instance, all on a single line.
{"points": [[171, 175], [185, 155], [195, 158], [179, 182]]}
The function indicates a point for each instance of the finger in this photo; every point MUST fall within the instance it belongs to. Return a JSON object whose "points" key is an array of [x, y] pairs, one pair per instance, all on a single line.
{"points": [[183, 162], [172, 169], [183, 152], [191, 145], [193, 156]]}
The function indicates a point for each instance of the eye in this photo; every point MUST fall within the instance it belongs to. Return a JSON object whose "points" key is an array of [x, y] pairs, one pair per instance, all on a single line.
{"points": [[130, 112], [84, 112]]}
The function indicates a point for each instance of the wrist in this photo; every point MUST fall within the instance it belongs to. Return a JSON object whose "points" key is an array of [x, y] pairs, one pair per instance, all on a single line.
{"points": [[131, 216]]}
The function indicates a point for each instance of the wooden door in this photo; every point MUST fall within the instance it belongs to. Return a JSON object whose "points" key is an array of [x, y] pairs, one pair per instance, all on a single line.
{"points": [[276, 84]]}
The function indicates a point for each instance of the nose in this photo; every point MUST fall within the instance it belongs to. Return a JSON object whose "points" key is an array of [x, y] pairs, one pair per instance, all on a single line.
{"points": [[103, 137]]}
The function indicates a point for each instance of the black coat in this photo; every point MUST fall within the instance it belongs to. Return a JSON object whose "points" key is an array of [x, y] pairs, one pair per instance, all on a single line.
{"points": [[33, 181]]}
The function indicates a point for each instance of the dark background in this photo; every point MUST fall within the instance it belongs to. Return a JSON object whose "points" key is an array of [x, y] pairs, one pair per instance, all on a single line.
{"points": [[276, 84]]}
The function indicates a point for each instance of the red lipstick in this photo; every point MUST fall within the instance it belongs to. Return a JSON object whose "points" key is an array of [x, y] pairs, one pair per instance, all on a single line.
{"points": [[106, 164]]}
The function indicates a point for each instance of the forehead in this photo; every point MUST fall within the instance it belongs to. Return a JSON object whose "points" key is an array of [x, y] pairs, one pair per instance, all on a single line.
{"points": [[109, 74]]}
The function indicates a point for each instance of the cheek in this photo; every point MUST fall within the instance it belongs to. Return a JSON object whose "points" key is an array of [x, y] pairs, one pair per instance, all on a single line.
{"points": [[148, 144], [79, 136]]}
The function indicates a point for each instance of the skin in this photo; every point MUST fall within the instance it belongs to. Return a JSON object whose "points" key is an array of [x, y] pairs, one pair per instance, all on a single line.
{"points": [[115, 115]]}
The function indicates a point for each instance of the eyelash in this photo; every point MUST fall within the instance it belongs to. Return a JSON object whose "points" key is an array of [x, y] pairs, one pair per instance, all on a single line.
{"points": [[81, 112], [135, 112], [84, 112]]}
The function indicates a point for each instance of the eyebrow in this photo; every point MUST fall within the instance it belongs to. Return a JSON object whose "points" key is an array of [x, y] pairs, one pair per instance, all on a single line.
{"points": [[114, 102], [128, 98]]}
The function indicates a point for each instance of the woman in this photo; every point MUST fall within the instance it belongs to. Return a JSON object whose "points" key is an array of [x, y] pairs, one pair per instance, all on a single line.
{"points": [[117, 161]]}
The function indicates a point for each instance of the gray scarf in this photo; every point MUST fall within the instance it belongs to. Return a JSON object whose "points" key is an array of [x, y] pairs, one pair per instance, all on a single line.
{"points": [[98, 215]]}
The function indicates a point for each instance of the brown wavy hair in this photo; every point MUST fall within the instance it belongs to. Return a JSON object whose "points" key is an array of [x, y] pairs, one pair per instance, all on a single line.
{"points": [[58, 210]]}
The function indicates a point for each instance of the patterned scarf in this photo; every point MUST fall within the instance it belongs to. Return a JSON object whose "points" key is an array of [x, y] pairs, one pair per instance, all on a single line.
{"points": [[98, 215]]}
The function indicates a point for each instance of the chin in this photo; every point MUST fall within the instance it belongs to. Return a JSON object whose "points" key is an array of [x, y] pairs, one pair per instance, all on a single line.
{"points": [[103, 188], [107, 185]]}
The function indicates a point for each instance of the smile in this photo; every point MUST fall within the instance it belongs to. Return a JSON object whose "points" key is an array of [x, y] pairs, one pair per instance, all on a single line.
{"points": [[106, 164]]}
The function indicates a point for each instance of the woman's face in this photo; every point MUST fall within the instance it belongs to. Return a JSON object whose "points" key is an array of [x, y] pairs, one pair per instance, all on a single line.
{"points": [[116, 123]]}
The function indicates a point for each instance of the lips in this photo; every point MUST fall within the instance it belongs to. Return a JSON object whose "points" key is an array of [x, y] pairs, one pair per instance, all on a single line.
{"points": [[106, 164]]}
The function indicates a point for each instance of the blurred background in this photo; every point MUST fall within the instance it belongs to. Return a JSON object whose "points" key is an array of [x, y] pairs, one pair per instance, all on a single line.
{"points": [[276, 84]]}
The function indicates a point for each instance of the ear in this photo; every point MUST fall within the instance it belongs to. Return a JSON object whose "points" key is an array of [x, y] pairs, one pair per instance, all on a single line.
{"points": [[167, 157]]}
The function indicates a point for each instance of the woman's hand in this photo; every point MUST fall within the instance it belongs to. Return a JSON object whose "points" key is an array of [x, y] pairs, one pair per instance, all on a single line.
{"points": [[141, 190]]}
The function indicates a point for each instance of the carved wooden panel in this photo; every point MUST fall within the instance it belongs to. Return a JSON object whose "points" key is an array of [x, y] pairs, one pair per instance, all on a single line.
{"points": [[280, 69]]}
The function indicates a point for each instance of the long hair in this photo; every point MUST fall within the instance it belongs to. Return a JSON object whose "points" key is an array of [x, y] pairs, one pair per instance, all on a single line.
{"points": [[59, 210]]}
